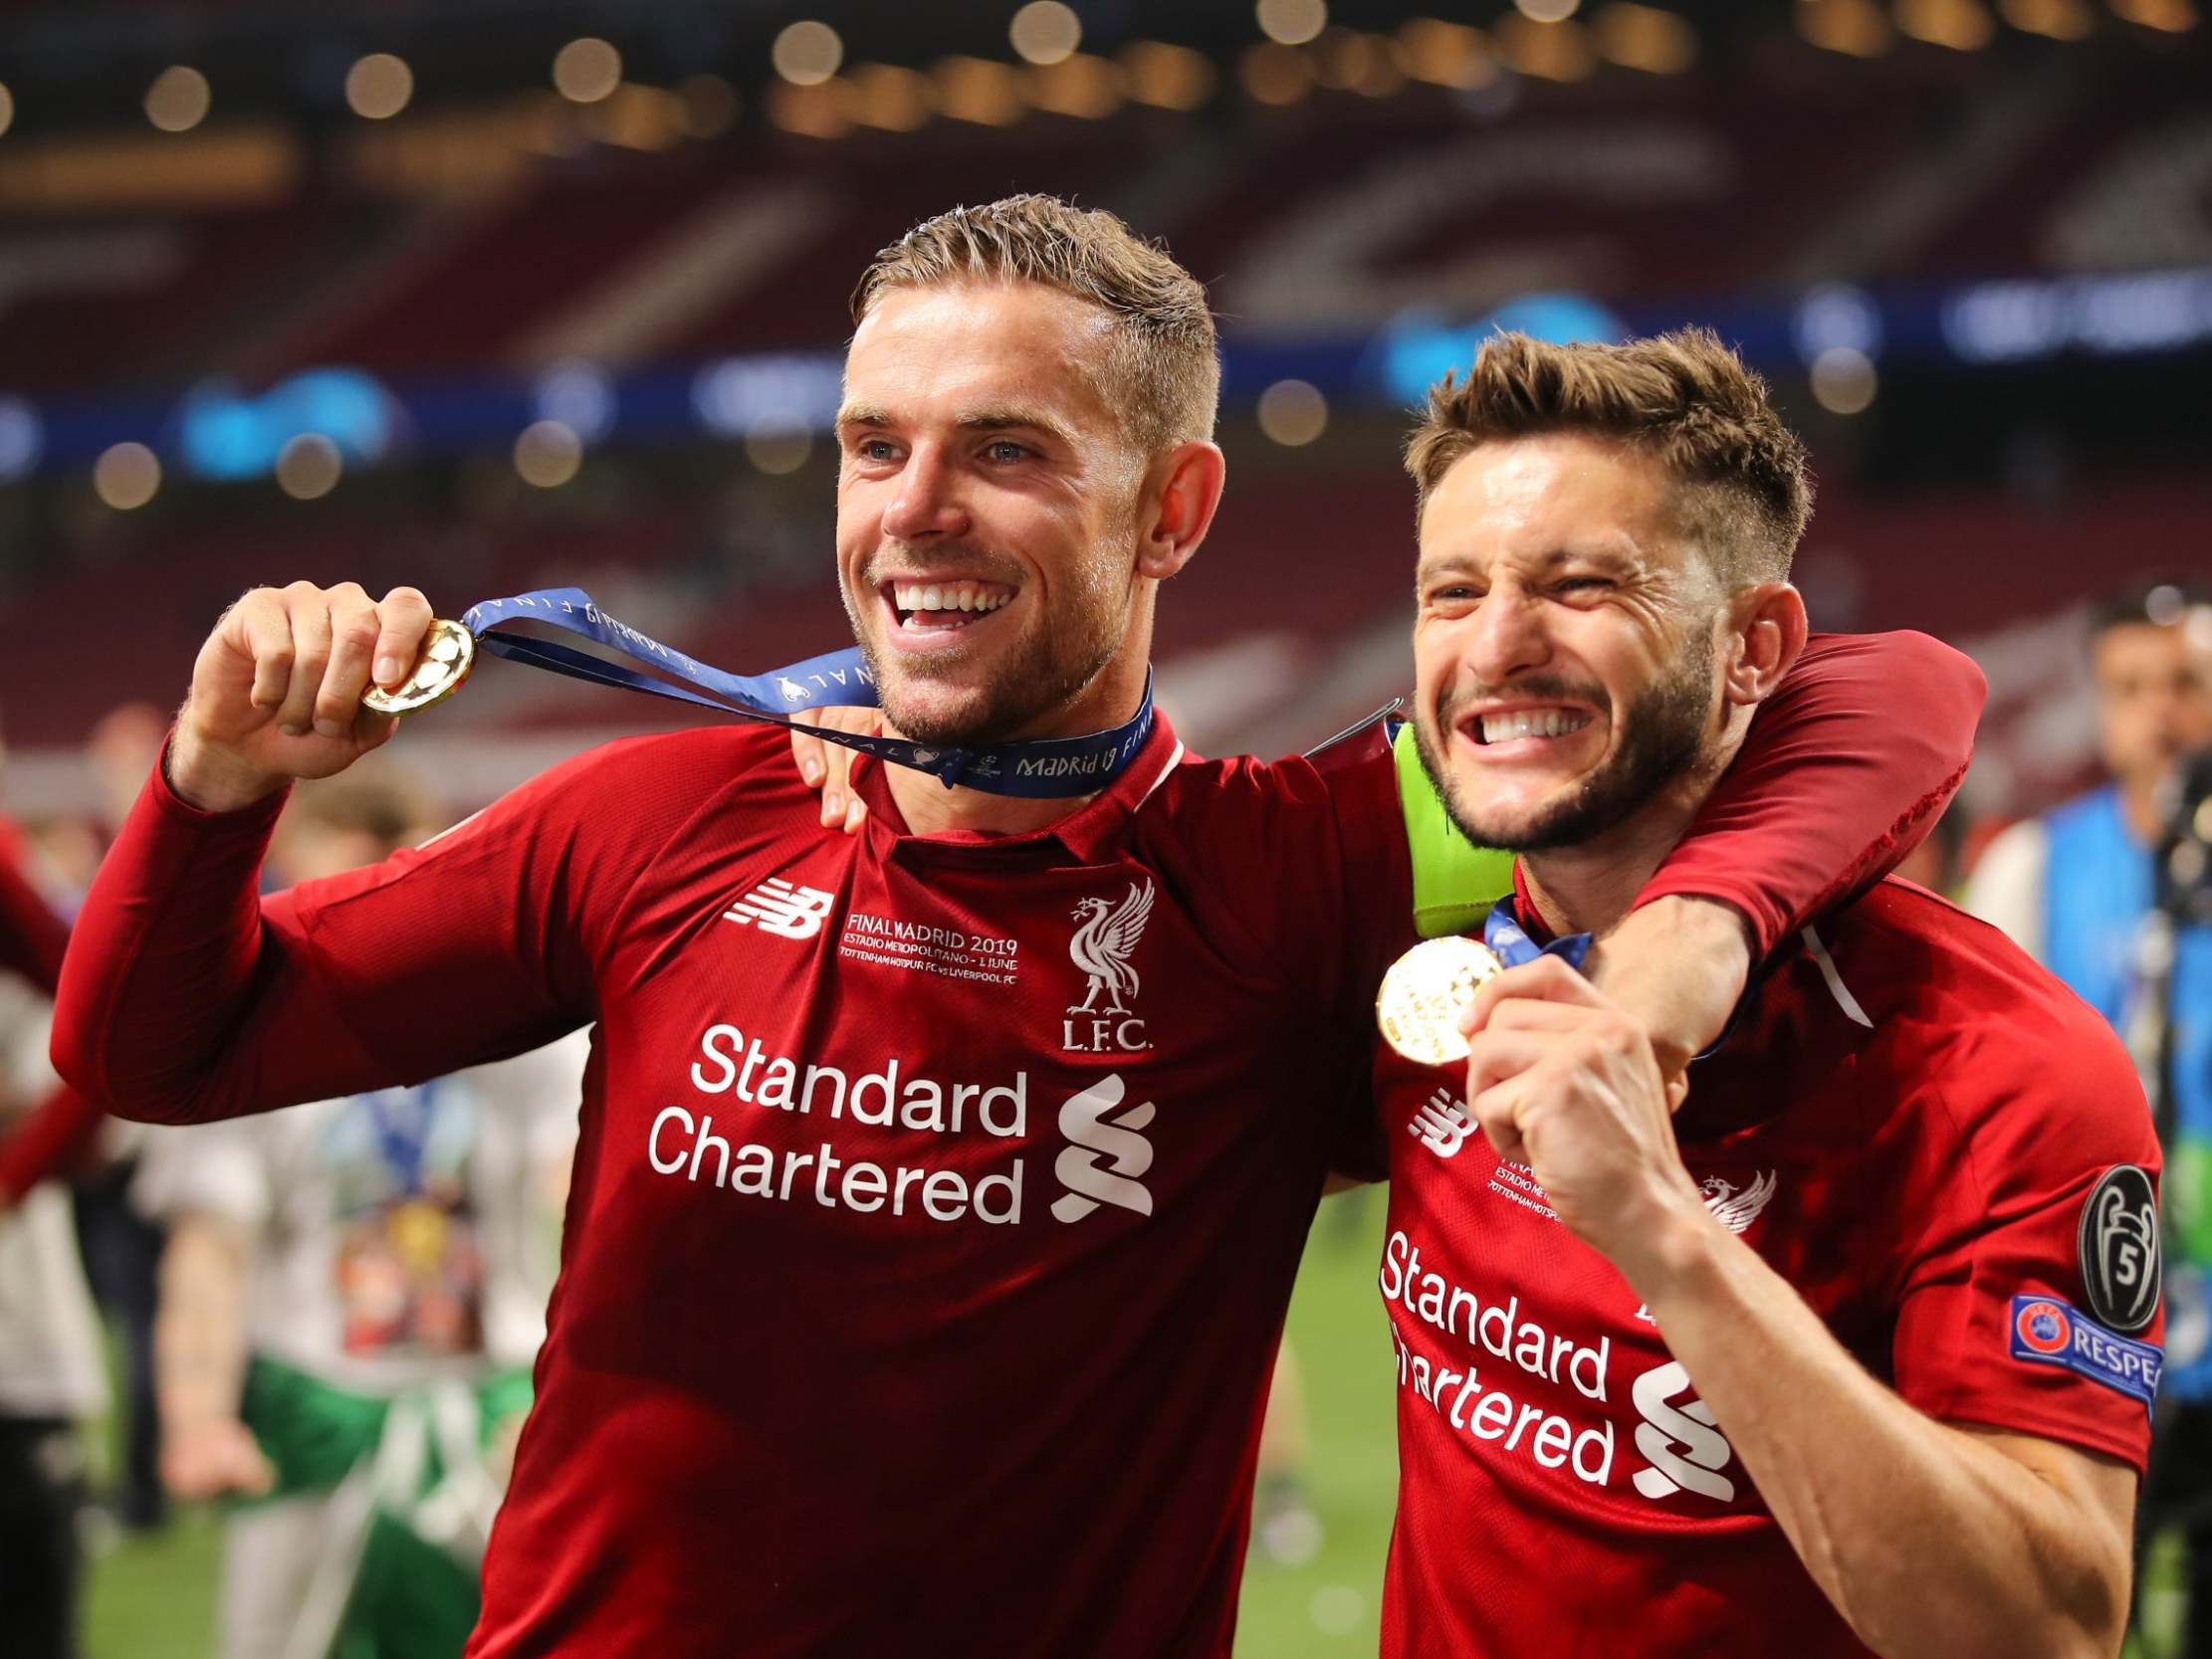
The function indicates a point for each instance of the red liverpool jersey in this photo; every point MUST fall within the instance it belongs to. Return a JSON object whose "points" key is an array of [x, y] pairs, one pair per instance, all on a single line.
{"points": [[936, 1199], [1907, 1125]]}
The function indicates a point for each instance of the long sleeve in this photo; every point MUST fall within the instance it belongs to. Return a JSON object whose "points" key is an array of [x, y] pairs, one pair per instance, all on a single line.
{"points": [[54, 1139], [1846, 769], [185, 996], [32, 937]]}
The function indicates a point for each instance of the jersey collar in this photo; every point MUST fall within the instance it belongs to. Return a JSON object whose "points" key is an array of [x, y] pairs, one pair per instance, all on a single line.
{"points": [[1087, 833]]}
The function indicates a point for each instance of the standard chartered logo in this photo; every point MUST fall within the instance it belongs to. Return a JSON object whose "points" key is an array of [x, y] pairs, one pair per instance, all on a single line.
{"points": [[1685, 1451], [1105, 1154]]}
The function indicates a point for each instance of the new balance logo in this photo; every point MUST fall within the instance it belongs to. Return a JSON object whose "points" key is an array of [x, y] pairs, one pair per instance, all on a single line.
{"points": [[1440, 1125], [780, 908], [1093, 1135]]}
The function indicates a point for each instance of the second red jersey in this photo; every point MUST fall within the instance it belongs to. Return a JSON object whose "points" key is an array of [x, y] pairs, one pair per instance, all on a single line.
{"points": [[1908, 1126]]}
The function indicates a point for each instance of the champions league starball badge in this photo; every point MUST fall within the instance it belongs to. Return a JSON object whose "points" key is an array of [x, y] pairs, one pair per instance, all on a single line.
{"points": [[448, 652], [1419, 1006]]}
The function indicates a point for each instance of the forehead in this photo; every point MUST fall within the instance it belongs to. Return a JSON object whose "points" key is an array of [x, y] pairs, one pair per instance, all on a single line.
{"points": [[1520, 499], [950, 348], [2143, 647]]}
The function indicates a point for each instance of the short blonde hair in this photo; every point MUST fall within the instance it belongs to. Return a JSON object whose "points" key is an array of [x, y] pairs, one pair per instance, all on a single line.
{"points": [[1683, 399], [1164, 366]]}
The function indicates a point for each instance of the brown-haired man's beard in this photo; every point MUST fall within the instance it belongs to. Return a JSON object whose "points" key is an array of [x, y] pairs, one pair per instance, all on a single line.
{"points": [[961, 696], [1661, 734]]}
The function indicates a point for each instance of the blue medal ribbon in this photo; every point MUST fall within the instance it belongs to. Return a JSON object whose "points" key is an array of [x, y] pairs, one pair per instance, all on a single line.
{"points": [[1509, 941], [1044, 768]]}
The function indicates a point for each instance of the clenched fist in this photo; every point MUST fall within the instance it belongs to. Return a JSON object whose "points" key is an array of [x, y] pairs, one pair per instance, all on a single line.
{"points": [[277, 690], [1560, 1078]]}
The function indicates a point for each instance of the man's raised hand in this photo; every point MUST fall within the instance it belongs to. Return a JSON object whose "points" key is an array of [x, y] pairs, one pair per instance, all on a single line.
{"points": [[1563, 1079], [277, 688], [828, 766]]}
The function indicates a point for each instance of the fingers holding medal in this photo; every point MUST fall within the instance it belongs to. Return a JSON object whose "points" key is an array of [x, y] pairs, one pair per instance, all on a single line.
{"points": [[448, 652]]}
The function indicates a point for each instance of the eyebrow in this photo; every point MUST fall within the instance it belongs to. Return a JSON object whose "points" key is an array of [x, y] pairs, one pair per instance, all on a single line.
{"points": [[871, 417], [1464, 564]]}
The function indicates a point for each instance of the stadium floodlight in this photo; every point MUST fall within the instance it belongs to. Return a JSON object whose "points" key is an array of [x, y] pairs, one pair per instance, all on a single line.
{"points": [[1547, 11], [309, 466], [777, 447], [1443, 54], [548, 453], [808, 53], [1292, 21], [127, 476], [888, 97], [2173, 17], [1961, 25], [1045, 32], [1844, 380], [1293, 413], [1275, 74], [1858, 28], [979, 90], [378, 86], [1645, 38], [2059, 20], [1086, 88], [587, 70], [178, 99], [1168, 77], [1547, 51]]}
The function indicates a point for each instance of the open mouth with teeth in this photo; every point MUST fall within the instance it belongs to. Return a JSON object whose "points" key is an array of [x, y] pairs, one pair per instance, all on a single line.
{"points": [[1514, 726], [943, 607]]}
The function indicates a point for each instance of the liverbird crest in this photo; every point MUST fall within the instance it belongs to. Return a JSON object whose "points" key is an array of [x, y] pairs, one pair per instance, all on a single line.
{"points": [[1102, 946]]}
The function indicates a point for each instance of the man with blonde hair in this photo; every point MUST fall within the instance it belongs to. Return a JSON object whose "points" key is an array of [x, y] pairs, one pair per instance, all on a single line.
{"points": [[1856, 1351], [940, 1186]]}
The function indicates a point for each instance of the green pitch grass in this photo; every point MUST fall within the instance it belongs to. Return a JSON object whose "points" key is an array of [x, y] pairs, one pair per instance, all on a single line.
{"points": [[1326, 1609]]}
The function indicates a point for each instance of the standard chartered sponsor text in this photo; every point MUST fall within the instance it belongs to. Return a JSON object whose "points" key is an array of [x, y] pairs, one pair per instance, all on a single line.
{"points": [[685, 1144], [1476, 1406]]}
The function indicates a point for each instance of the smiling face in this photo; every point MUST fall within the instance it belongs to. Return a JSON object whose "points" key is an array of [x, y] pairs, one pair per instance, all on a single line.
{"points": [[1565, 640], [988, 514]]}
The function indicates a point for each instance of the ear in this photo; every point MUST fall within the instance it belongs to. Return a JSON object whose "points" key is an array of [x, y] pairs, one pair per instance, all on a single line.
{"points": [[1767, 629], [1186, 488]]}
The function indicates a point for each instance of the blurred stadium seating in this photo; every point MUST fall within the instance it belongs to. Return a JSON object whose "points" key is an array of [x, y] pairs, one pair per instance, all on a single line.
{"points": [[457, 259]]}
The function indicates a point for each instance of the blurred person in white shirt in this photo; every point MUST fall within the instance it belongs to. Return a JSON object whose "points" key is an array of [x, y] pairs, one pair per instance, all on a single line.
{"points": [[351, 1297]]}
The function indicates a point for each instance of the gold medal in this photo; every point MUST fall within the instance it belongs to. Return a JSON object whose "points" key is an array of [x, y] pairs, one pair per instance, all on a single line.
{"points": [[448, 652], [1419, 1005]]}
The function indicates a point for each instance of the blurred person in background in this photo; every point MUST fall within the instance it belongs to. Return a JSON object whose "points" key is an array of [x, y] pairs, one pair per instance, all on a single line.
{"points": [[2081, 888], [51, 1376], [352, 1297]]}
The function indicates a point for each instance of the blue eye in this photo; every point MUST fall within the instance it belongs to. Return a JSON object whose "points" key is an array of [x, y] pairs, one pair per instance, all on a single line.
{"points": [[1005, 449]]}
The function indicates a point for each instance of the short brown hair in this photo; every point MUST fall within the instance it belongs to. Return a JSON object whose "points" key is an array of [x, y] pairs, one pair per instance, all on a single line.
{"points": [[1163, 364], [1683, 399]]}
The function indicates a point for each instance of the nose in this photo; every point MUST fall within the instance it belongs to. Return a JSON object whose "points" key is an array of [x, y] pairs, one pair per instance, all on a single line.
{"points": [[926, 502], [1506, 636]]}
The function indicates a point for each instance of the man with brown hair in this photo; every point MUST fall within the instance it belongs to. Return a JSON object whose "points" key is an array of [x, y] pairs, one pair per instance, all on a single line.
{"points": [[939, 1186], [1853, 1354]]}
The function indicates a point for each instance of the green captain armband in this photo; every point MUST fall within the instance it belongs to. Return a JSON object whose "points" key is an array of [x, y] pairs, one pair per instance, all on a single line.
{"points": [[1454, 881]]}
